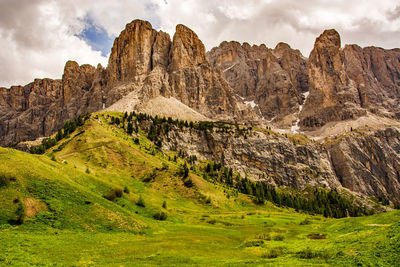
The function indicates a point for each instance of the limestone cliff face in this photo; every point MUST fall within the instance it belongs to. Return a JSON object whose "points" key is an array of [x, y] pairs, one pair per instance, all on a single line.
{"points": [[376, 74], [273, 78], [187, 49], [195, 82], [367, 164], [148, 63], [23, 109], [136, 52], [333, 96], [347, 83], [42, 107]]}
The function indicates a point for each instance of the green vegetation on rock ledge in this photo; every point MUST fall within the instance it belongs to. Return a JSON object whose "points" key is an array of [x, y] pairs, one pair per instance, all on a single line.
{"points": [[55, 212]]}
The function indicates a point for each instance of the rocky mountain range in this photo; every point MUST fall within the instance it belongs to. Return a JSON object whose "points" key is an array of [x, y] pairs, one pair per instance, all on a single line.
{"points": [[256, 85], [143, 63], [342, 84], [273, 79]]}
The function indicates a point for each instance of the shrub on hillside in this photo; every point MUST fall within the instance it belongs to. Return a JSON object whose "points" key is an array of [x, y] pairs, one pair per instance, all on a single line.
{"points": [[126, 190], [113, 194], [141, 202], [161, 216], [308, 253], [188, 183], [279, 238], [21, 213], [272, 253], [306, 221], [5, 180], [316, 236]]}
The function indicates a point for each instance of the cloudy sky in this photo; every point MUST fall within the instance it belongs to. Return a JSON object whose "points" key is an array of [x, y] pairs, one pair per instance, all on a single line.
{"points": [[37, 37]]}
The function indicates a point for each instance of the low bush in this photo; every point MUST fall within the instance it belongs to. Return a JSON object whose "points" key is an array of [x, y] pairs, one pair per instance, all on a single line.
{"points": [[141, 202], [150, 176], [308, 253], [188, 183], [126, 190], [306, 221], [272, 253], [212, 221], [113, 194], [279, 238], [253, 243], [21, 213], [161, 216], [266, 236], [5, 180]]}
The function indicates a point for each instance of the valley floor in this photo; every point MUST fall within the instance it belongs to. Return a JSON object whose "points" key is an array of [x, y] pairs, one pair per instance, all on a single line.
{"points": [[232, 241]]}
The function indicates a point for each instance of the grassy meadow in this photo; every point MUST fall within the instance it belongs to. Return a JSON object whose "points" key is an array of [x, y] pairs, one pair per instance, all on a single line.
{"points": [[96, 197]]}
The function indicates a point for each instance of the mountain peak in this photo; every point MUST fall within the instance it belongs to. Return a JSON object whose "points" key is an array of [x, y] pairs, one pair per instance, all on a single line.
{"points": [[139, 23], [328, 38], [187, 49]]}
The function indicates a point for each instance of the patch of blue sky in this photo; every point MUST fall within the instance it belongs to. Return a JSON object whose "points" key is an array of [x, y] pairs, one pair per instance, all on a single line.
{"points": [[96, 37]]}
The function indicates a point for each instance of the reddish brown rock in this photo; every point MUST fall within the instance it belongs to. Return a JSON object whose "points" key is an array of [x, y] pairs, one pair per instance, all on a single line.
{"points": [[187, 50], [376, 73], [273, 78], [76, 78], [178, 69], [333, 96]]}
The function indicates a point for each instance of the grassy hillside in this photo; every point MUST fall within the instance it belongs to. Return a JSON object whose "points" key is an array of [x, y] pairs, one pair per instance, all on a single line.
{"points": [[53, 211]]}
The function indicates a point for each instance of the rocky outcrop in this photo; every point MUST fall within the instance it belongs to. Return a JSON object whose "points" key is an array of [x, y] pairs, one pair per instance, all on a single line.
{"points": [[376, 74], [333, 96], [366, 163], [42, 107], [369, 164], [149, 63], [23, 109], [136, 52], [347, 83], [187, 49], [274, 79], [273, 158]]}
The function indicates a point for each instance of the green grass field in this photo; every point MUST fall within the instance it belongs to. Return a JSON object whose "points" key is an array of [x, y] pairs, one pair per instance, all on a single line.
{"points": [[68, 222]]}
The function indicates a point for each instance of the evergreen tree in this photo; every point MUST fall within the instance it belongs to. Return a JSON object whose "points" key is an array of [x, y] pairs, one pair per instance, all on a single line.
{"points": [[129, 129]]}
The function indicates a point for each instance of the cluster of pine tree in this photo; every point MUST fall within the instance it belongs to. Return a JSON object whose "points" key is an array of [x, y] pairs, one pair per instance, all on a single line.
{"points": [[329, 203], [69, 127], [162, 125]]}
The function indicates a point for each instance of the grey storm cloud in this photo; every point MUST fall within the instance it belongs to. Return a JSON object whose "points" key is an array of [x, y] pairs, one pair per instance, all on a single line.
{"points": [[37, 37]]}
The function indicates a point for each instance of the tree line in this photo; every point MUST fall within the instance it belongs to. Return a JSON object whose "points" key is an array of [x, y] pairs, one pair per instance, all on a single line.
{"points": [[329, 203], [68, 128]]}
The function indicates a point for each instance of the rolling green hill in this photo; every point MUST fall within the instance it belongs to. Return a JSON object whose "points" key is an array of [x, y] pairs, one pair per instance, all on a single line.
{"points": [[100, 197]]}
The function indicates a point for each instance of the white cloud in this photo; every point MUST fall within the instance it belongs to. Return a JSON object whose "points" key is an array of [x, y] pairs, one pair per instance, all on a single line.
{"points": [[36, 41], [37, 37]]}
